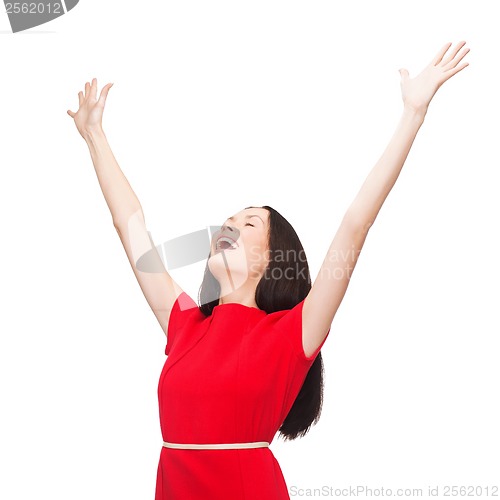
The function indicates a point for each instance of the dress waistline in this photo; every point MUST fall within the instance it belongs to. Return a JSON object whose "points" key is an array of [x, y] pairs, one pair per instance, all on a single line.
{"points": [[216, 446]]}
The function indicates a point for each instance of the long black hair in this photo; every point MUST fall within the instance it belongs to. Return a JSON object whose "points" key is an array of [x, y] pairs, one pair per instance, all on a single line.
{"points": [[273, 295]]}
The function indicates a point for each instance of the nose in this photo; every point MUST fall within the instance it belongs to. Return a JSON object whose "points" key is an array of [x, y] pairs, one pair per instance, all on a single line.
{"points": [[229, 228]]}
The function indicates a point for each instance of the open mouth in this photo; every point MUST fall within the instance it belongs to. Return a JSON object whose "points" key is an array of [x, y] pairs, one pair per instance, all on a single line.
{"points": [[225, 243]]}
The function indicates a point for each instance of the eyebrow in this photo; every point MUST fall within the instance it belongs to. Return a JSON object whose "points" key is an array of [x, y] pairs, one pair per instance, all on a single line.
{"points": [[248, 217]]}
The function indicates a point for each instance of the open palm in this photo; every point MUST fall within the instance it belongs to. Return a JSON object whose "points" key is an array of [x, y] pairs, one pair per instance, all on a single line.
{"points": [[90, 111], [418, 92]]}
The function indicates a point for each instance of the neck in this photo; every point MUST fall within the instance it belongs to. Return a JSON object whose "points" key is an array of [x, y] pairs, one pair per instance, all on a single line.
{"points": [[243, 295]]}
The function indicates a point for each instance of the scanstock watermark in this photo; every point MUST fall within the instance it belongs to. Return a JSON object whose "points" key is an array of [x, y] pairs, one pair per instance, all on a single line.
{"points": [[221, 246], [428, 491], [26, 15]]}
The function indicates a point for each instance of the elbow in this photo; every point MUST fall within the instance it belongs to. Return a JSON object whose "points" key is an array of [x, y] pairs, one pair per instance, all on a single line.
{"points": [[359, 222], [117, 224], [123, 219], [366, 225]]}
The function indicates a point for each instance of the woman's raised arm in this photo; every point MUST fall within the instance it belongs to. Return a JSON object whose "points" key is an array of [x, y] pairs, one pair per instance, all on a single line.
{"points": [[330, 286], [158, 287]]}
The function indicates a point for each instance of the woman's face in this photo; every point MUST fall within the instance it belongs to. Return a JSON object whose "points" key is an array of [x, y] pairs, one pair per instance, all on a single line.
{"points": [[239, 250]]}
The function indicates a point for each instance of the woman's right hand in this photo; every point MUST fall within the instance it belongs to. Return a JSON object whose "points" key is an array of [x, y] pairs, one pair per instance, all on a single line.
{"points": [[89, 114]]}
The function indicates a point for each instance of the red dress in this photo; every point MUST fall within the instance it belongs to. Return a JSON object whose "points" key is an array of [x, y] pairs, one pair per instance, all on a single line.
{"points": [[230, 377]]}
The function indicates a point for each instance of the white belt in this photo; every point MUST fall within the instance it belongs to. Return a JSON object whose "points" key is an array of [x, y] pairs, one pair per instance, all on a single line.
{"points": [[216, 446]]}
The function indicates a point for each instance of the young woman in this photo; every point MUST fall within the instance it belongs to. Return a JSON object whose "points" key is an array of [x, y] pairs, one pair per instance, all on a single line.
{"points": [[245, 363]]}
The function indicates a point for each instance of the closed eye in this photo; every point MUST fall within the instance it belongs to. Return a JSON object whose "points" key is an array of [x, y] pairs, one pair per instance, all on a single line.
{"points": [[248, 224]]}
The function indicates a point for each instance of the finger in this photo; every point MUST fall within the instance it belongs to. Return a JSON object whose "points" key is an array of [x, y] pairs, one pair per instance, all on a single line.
{"points": [[452, 64], [439, 56], [404, 74], [70, 113], [453, 53], [104, 93], [87, 89], [93, 89], [452, 72], [80, 98]]}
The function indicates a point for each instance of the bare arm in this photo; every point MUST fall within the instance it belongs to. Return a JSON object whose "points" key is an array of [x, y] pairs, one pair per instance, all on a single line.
{"points": [[330, 286], [119, 195], [158, 287]]}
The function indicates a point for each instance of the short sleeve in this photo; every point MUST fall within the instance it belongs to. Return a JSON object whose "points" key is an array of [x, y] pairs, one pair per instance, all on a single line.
{"points": [[184, 306], [290, 326]]}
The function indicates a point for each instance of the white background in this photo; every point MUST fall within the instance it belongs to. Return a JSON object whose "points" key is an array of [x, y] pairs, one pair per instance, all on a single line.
{"points": [[217, 106]]}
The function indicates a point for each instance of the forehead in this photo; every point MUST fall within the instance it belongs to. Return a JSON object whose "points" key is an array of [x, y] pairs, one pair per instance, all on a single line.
{"points": [[248, 213]]}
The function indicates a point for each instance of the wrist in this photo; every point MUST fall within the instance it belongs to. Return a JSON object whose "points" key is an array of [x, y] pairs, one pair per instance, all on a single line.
{"points": [[415, 113], [93, 132]]}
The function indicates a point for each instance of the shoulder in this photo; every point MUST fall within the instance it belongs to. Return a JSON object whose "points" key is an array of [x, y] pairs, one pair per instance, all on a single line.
{"points": [[287, 326], [184, 316]]}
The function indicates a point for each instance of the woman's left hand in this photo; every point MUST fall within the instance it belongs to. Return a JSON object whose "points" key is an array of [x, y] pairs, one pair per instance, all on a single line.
{"points": [[418, 92]]}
